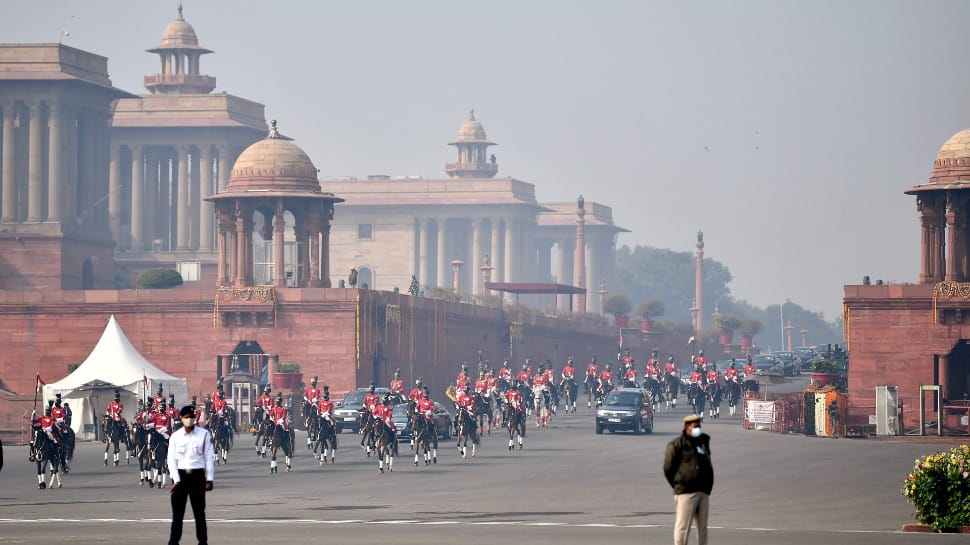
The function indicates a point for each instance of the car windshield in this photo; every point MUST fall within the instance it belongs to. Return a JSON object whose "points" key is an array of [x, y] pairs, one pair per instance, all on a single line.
{"points": [[401, 409], [354, 399], [805, 352], [622, 398], [785, 355], [764, 362]]}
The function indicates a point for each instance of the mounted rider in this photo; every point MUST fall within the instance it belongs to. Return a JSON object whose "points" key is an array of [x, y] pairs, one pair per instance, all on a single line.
{"points": [[425, 406], [219, 408], [713, 375], [605, 380], [159, 398], [524, 376], [696, 377], [481, 383], [311, 396], [114, 410], [382, 412], [505, 372], [466, 402], [161, 422], [592, 373], [750, 370], [218, 389], [173, 413], [630, 374], [568, 371], [46, 424], [491, 383], [700, 362], [264, 404], [325, 406], [670, 368], [397, 385], [463, 379], [418, 391], [731, 373], [278, 413], [141, 415]]}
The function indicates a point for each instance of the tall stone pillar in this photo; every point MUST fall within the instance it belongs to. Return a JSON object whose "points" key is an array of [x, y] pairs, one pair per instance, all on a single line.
{"points": [[510, 250], [495, 256], [206, 214], [241, 239], [183, 224], [137, 199], [325, 248], [55, 162], [564, 274], [151, 194], [9, 191], [441, 260], [594, 273], [194, 203], [954, 243], [114, 194], [99, 177], [225, 167], [164, 199], [699, 284], [87, 172], [422, 225], [938, 246], [579, 263], [69, 195], [35, 166], [943, 372], [279, 226], [478, 252]]}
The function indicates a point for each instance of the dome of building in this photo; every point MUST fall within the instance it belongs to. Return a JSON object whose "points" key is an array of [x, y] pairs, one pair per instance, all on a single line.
{"points": [[953, 161], [179, 33], [471, 130], [276, 165]]}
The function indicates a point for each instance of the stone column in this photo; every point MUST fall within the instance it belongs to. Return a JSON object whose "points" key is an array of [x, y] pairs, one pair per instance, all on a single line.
{"points": [[194, 203], [325, 247], [314, 243], [114, 194], [87, 173], [441, 259], [954, 243], [943, 372], [477, 252], [35, 166], [69, 192], [9, 210], [456, 275], [938, 257], [220, 251], [925, 250], [151, 194], [240, 246], [225, 168], [137, 199], [182, 225], [544, 260], [699, 284], [510, 249], [55, 162], [423, 225], [279, 225], [593, 272], [206, 213], [564, 275], [495, 256], [99, 183], [579, 261]]}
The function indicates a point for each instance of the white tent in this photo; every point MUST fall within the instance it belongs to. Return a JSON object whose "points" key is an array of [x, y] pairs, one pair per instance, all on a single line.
{"points": [[113, 364]]}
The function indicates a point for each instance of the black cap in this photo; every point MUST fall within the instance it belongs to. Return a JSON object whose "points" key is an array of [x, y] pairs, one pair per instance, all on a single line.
{"points": [[187, 411]]}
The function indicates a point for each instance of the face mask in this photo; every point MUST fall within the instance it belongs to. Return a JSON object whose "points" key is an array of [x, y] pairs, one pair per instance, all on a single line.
{"points": [[695, 432], [188, 422]]}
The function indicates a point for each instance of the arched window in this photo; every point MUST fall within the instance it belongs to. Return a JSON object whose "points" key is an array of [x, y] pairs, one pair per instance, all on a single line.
{"points": [[365, 278], [87, 275]]}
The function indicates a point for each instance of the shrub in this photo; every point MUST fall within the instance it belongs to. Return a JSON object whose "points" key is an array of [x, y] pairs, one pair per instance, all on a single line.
{"points": [[160, 278], [750, 327], [825, 366], [617, 305], [651, 309], [726, 323], [939, 488], [286, 367]]}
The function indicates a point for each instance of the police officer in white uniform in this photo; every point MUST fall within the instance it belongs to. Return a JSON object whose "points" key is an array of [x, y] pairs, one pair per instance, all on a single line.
{"points": [[191, 461]]}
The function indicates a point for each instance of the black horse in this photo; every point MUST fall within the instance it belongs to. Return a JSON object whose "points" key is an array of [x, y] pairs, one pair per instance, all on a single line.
{"points": [[696, 398], [157, 459], [280, 438], [671, 389], [713, 394], [139, 437], [424, 436], [653, 386], [46, 453], [569, 389], [324, 437], [590, 387], [385, 444], [732, 393], [514, 421], [222, 436], [466, 432], [115, 433]]}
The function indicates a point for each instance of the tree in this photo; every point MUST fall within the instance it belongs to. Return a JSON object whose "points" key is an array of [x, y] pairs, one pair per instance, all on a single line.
{"points": [[160, 278], [648, 310], [726, 323], [617, 305], [749, 327]]}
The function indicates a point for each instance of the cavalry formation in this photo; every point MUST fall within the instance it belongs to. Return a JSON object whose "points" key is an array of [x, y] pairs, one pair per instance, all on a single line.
{"points": [[497, 400]]}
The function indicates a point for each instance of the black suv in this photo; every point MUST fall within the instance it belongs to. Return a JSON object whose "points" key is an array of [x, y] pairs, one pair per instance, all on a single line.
{"points": [[625, 409]]}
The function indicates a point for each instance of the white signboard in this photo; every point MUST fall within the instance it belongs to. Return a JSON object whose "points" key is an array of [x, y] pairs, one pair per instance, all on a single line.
{"points": [[759, 412], [872, 420]]}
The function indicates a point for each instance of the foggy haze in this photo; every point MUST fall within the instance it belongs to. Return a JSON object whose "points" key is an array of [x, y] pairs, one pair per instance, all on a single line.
{"points": [[786, 131]]}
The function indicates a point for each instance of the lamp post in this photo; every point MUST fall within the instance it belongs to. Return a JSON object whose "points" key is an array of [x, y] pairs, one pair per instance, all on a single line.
{"points": [[487, 269], [602, 293], [456, 275]]}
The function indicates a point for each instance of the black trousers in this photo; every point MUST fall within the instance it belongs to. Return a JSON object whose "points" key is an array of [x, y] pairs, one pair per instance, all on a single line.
{"points": [[192, 487]]}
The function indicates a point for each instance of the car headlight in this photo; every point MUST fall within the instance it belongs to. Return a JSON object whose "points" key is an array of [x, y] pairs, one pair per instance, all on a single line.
{"points": [[601, 413]]}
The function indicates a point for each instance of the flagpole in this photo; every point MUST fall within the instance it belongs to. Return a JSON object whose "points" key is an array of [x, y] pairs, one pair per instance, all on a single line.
{"points": [[36, 389]]}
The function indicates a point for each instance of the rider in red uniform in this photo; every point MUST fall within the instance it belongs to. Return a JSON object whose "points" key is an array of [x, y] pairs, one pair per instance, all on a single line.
{"points": [[159, 398], [605, 377], [568, 372], [713, 375], [219, 407], [161, 421], [383, 411], [481, 384], [371, 400], [311, 395], [700, 362], [218, 389], [670, 367], [47, 424], [418, 391], [467, 402], [630, 374], [264, 402], [696, 377], [750, 370], [115, 408], [731, 373], [505, 373], [325, 406], [491, 383], [524, 374], [397, 385], [278, 413], [173, 413]]}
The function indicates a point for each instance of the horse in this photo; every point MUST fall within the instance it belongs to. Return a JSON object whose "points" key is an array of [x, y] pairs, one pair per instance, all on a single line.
{"points": [[385, 444], [653, 386], [553, 397], [115, 432], [140, 444], [514, 421], [66, 445], [324, 437], [261, 428], [222, 436], [157, 459], [280, 438], [365, 423], [526, 392], [671, 389], [482, 412], [424, 437], [540, 400], [695, 396], [569, 388], [495, 402], [713, 394], [466, 431], [732, 393], [590, 385], [45, 452], [600, 393]]}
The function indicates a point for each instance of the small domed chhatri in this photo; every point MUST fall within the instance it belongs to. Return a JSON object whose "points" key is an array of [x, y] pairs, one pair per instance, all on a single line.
{"points": [[179, 34], [274, 164], [953, 161], [473, 158], [471, 130]]}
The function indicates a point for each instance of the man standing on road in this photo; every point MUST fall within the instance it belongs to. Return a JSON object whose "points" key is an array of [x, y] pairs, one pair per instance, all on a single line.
{"points": [[192, 463], [688, 469]]}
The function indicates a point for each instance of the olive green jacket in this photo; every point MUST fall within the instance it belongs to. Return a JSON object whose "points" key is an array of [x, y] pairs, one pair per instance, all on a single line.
{"points": [[687, 464]]}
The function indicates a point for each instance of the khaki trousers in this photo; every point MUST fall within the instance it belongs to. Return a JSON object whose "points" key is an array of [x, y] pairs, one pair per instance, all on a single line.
{"points": [[691, 507]]}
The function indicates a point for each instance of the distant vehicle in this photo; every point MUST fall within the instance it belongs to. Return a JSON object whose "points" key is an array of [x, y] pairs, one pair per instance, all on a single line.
{"points": [[626, 409], [346, 411], [442, 419], [791, 364], [767, 365], [808, 357]]}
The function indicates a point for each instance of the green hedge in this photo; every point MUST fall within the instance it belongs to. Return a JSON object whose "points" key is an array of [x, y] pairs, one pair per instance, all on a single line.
{"points": [[160, 278]]}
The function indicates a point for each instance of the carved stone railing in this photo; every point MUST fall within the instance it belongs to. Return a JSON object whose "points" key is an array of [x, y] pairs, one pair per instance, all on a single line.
{"points": [[951, 298], [251, 306]]}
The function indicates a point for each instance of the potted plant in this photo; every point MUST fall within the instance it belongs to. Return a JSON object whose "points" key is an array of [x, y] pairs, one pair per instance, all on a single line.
{"points": [[619, 306], [938, 488], [748, 328], [728, 325], [287, 375], [825, 373], [649, 310]]}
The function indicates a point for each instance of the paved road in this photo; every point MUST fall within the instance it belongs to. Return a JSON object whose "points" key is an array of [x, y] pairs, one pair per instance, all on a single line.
{"points": [[567, 486]]}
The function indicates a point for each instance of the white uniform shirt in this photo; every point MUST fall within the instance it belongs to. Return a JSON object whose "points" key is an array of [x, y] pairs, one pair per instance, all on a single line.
{"points": [[191, 451]]}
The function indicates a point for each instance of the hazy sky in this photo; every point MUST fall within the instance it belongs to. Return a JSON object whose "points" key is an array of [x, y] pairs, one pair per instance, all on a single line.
{"points": [[787, 131]]}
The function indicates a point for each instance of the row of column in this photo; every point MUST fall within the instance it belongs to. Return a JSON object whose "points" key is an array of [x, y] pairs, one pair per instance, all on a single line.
{"points": [[50, 169], [944, 244], [160, 191], [499, 239]]}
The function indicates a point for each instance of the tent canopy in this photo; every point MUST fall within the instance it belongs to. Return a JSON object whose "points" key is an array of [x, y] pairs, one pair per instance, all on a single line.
{"points": [[113, 364]]}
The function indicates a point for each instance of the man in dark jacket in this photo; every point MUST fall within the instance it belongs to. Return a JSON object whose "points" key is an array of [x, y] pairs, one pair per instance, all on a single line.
{"points": [[688, 469]]}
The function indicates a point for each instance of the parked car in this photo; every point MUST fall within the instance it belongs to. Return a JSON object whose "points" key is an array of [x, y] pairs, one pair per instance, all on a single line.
{"points": [[626, 409], [442, 419], [791, 364], [346, 411], [767, 364], [808, 357]]}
